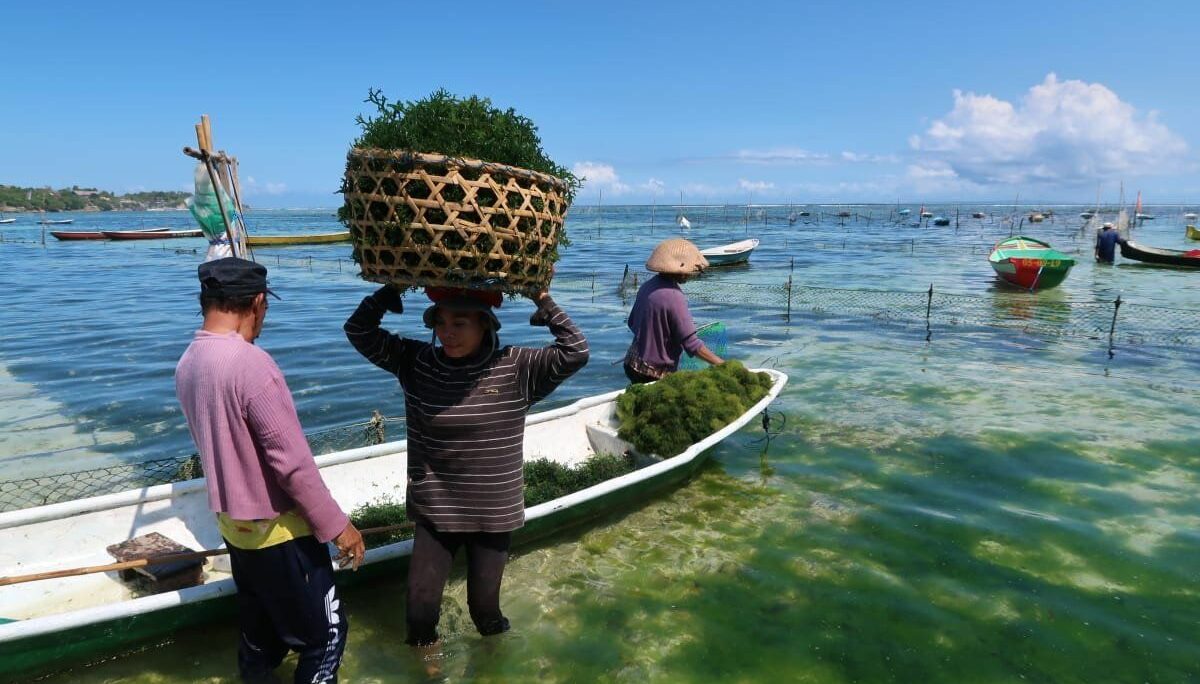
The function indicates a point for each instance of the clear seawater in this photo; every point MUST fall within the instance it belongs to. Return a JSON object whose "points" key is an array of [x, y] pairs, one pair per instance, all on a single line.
{"points": [[987, 505]]}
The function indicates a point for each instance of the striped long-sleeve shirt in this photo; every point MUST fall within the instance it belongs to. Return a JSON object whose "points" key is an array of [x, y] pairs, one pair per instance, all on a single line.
{"points": [[466, 417]]}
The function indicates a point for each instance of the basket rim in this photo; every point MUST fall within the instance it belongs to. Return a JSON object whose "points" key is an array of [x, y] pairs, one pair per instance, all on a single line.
{"points": [[435, 158]]}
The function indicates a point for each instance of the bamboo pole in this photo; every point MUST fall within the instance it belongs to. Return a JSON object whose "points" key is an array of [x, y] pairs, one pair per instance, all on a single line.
{"points": [[237, 200], [204, 139], [153, 560]]}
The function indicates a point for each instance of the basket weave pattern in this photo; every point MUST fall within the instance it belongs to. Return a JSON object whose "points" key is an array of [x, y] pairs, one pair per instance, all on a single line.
{"points": [[425, 219]]}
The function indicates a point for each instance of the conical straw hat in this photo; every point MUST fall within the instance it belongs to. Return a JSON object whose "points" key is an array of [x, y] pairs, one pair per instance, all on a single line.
{"points": [[676, 257]]}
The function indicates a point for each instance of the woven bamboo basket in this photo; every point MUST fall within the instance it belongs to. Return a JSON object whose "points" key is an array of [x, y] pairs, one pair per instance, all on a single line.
{"points": [[426, 219]]}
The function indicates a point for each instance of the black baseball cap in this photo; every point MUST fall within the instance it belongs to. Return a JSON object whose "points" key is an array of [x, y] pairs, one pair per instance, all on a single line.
{"points": [[233, 277]]}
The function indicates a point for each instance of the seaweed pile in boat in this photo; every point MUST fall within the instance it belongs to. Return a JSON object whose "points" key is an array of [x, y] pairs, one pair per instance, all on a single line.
{"points": [[667, 417], [544, 480]]}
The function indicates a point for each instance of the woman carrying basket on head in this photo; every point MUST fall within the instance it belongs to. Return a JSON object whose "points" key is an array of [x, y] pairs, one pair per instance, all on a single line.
{"points": [[660, 320], [465, 403]]}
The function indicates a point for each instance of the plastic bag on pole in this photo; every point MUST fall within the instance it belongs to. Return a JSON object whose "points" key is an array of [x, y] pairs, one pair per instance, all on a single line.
{"points": [[206, 211]]}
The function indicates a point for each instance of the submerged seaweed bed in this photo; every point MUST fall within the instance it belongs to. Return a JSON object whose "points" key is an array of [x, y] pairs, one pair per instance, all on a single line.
{"points": [[982, 506]]}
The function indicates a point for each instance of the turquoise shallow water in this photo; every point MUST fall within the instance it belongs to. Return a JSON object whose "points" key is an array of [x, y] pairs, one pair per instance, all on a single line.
{"points": [[988, 505]]}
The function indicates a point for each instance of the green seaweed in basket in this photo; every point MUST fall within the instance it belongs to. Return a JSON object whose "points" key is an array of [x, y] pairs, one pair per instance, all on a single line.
{"points": [[667, 417], [469, 127]]}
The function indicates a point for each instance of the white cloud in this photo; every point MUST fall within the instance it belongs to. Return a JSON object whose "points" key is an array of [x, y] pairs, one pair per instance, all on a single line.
{"points": [[860, 158], [780, 155], [601, 176], [1061, 132], [654, 186], [253, 187], [754, 186]]}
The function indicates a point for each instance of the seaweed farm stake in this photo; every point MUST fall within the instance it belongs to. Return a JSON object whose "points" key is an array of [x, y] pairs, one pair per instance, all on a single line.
{"points": [[1112, 329], [928, 309]]}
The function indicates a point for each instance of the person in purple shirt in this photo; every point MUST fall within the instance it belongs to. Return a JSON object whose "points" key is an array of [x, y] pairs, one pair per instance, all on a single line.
{"points": [[272, 507], [661, 323]]}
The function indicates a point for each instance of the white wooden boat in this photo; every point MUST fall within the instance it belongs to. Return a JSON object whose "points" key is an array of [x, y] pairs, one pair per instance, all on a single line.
{"points": [[8, 220], [733, 253], [58, 621]]}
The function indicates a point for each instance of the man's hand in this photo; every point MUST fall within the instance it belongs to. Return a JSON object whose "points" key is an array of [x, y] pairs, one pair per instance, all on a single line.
{"points": [[389, 298], [350, 547]]}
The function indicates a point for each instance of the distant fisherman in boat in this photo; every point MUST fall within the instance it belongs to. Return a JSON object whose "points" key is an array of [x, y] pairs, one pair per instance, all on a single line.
{"points": [[660, 320], [465, 404], [1106, 242], [273, 509]]}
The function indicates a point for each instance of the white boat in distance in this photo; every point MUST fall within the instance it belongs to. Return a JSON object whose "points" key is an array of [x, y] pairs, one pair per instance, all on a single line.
{"points": [[733, 253], [8, 220], [684, 223]]}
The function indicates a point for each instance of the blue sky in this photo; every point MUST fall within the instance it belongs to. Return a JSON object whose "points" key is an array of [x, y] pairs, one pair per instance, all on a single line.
{"points": [[726, 102]]}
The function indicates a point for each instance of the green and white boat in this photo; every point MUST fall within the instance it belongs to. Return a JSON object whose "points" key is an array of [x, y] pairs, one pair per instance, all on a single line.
{"points": [[1030, 264], [55, 623]]}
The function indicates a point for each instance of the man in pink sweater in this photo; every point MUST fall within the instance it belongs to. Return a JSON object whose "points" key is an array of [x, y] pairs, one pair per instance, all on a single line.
{"points": [[273, 508]]}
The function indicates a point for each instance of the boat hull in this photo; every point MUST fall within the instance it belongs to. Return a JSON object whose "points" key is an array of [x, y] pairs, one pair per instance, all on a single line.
{"points": [[68, 235], [733, 253], [1157, 255], [150, 235], [1193, 233], [1030, 264], [284, 240], [1031, 274], [96, 234], [727, 259], [42, 654], [48, 642]]}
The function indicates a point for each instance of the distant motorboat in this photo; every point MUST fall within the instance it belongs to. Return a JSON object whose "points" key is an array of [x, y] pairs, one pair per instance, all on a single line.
{"points": [[733, 253], [1086, 215], [927, 214], [843, 214], [1036, 217], [684, 223], [8, 220], [941, 221], [806, 213], [978, 215], [1144, 217], [60, 222], [904, 212], [1189, 216]]}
